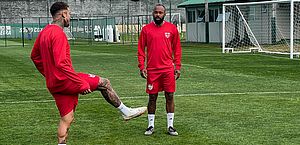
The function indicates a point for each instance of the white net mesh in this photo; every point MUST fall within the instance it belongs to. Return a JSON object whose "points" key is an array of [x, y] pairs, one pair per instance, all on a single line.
{"points": [[69, 33], [262, 25]]}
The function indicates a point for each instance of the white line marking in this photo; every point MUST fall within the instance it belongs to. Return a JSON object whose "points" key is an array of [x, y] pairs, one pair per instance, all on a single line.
{"points": [[197, 66], [274, 56], [179, 95]]}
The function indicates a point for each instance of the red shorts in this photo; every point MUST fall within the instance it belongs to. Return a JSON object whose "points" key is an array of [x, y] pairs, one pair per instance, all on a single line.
{"points": [[66, 103], [162, 81]]}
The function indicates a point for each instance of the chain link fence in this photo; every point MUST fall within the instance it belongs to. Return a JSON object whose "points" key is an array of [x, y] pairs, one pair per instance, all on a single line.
{"points": [[82, 30]]}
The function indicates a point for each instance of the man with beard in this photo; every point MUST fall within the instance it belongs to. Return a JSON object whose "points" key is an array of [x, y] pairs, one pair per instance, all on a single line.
{"points": [[51, 56], [163, 64]]}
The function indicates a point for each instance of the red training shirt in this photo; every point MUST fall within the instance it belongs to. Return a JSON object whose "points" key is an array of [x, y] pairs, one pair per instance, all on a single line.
{"points": [[51, 56], [163, 47]]}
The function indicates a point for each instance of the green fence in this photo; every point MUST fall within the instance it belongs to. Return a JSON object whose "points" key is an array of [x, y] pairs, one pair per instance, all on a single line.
{"points": [[86, 31]]}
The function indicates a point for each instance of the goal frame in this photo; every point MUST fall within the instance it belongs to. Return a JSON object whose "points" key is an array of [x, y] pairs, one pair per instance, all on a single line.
{"points": [[259, 48]]}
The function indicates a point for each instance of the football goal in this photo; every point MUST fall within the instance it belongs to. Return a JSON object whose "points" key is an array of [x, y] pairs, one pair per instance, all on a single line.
{"points": [[175, 19], [268, 26]]}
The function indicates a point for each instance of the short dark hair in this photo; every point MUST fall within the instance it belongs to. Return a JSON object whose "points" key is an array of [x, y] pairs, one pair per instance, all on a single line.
{"points": [[58, 6], [159, 4]]}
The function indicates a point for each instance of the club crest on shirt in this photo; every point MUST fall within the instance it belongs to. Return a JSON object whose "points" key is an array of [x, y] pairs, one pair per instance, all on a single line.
{"points": [[150, 86], [167, 34], [92, 76]]}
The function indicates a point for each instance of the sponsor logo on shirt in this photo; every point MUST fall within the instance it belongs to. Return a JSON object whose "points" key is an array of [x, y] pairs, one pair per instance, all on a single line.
{"points": [[167, 34]]}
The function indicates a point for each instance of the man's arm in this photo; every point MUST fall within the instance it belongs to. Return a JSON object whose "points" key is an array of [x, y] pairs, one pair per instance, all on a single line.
{"points": [[36, 57], [64, 64], [177, 53], [141, 54]]}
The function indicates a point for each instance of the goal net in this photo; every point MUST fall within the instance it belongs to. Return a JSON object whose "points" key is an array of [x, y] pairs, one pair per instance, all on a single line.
{"points": [[68, 33], [269, 26], [175, 19]]}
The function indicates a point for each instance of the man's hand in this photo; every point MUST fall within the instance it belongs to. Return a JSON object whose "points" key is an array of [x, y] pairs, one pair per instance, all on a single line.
{"points": [[86, 92], [143, 73], [177, 74]]}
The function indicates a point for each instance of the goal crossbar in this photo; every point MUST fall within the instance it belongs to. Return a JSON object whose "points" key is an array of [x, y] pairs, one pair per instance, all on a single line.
{"points": [[261, 2]]}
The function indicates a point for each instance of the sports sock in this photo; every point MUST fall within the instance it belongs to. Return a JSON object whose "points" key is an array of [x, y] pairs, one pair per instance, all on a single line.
{"points": [[62, 144], [151, 118], [170, 119], [124, 109]]}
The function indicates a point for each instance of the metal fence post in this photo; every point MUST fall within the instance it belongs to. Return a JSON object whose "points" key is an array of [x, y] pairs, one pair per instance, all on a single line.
{"points": [[23, 41], [123, 29], [5, 37]]}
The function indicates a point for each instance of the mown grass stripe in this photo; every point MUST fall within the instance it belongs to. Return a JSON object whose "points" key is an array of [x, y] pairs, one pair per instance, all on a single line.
{"points": [[179, 95]]}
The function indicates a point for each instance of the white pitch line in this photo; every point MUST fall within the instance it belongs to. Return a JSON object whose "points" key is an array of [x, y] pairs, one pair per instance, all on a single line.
{"points": [[197, 66], [179, 95]]}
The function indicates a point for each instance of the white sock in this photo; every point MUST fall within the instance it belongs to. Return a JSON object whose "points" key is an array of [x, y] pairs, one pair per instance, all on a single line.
{"points": [[170, 119], [124, 109], [151, 118], [61, 144]]}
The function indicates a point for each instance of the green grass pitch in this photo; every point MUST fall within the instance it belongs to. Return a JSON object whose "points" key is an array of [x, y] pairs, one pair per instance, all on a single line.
{"points": [[225, 99]]}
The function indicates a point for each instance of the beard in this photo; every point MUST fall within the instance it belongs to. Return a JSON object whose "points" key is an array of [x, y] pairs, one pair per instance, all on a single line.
{"points": [[66, 23], [158, 20]]}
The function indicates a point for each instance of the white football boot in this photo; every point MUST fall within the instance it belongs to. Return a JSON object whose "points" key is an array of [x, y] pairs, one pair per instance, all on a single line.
{"points": [[149, 130], [134, 112], [172, 131]]}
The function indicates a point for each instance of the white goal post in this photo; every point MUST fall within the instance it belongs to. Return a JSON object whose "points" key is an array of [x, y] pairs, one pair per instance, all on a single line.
{"points": [[266, 26]]}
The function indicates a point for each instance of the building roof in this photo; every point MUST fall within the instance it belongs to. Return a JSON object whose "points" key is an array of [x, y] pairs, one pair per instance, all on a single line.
{"points": [[199, 2]]}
